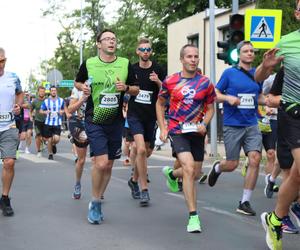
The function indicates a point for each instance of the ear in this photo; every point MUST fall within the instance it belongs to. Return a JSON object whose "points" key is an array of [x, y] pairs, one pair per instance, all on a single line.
{"points": [[137, 51], [297, 15]]}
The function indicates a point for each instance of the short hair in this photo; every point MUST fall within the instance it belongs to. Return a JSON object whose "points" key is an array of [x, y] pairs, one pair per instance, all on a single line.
{"points": [[297, 1], [104, 31], [41, 87], [53, 87], [2, 51], [242, 44], [143, 40], [186, 46]]}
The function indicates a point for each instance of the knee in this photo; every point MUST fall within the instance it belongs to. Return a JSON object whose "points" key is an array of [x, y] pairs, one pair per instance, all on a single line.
{"points": [[271, 154], [231, 165], [103, 165], [142, 152], [81, 161], [189, 171], [8, 163], [254, 160]]}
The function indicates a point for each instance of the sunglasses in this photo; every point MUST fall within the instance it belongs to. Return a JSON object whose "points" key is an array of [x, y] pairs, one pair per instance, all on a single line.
{"points": [[3, 60], [144, 49]]}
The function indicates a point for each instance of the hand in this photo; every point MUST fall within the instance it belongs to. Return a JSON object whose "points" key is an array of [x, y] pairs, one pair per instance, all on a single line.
{"points": [[163, 134], [201, 129], [17, 109], [61, 112], [120, 86], [86, 90], [153, 77], [270, 60], [233, 100]]}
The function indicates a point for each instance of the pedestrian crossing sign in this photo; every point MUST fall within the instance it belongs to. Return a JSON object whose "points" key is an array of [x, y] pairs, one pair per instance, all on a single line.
{"points": [[263, 27]]}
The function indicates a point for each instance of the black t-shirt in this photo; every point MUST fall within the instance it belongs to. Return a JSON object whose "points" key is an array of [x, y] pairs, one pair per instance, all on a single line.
{"points": [[82, 76], [278, 83], [143, 105]]}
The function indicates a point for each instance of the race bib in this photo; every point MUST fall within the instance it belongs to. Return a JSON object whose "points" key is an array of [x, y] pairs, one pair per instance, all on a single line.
{"points": [[109, 100], [189, 127], [6, 116], [247, 101], [53, 115], [144, 97]]}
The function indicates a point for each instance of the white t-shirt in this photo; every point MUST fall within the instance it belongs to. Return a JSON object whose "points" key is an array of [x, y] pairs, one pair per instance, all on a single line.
{"points": [[10, 85], [77, 94]]}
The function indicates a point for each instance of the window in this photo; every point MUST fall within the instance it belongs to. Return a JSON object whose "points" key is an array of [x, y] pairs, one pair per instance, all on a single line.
{"points": [[193, 39]]}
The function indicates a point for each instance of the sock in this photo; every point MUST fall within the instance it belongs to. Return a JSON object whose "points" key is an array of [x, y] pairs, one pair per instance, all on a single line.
{"points": [[78, 183], [4, 197], [217, 168], [271, 179], [134, 182], [275, 220], [246, 195], [193, 213], [172, 176], [145, 190], [94, 199]]}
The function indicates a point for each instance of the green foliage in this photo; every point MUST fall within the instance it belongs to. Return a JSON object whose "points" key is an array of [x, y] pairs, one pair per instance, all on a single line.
{"points": [[289, 23]]}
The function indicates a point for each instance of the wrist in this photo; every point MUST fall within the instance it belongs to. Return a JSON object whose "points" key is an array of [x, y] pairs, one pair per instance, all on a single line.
{"points": [[204, 124], [127, 88]]}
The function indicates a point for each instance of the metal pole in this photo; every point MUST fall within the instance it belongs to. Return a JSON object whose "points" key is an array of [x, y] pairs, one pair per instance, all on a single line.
{"points": [[81, 42], [213, 123], [235, 6]]}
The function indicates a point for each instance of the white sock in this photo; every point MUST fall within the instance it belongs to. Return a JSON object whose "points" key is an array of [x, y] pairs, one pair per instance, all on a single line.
{"points": [[217, 168], [246, 195], [272, 179]]}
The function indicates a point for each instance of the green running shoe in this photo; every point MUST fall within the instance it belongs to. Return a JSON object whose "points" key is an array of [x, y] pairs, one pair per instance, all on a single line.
{"points": [[244, 167], [172, 184], [194, 225], [273, 233]]}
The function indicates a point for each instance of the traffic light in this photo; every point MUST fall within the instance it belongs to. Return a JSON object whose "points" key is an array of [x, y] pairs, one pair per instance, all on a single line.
{"points": [[236, 34]]}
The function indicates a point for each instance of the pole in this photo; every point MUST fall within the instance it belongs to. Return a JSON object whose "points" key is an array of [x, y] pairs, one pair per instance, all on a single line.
{"points": [[81, 42], [235, 6], [213, 123]]}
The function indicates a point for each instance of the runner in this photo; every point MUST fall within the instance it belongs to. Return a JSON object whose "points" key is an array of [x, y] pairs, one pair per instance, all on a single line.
{"points": [[53, 107], [288, 51], [27, 123], [110, 77], [76, 108], [141, 114], [39, 120], [241, 95], [11, 100], [189, 92]]}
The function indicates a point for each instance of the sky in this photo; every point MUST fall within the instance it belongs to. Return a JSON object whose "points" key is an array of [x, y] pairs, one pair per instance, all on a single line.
{"points": [[27, 37]]}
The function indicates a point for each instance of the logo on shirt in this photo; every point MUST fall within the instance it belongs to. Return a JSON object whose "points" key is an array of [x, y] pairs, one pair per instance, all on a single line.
{"points": [[188, 94]]}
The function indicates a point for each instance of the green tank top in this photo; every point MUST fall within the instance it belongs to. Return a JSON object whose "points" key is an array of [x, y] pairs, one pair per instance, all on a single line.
{"points": [[106, 99]]}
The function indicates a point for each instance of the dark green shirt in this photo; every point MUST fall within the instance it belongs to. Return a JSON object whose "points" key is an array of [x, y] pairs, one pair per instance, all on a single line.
{"points": [[36, 106]]}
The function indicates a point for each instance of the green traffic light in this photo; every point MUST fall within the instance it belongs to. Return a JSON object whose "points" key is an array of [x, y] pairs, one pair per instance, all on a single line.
{"points": [[234, 56]]}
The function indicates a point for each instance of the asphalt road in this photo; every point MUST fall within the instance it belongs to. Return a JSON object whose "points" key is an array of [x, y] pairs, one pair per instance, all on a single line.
{"points": [[47, 218]]}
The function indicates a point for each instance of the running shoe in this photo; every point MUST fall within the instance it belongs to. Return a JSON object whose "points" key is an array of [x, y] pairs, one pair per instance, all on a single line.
{"points": [[269, 187], [295, 211], [6, 207], [288, 226], [275, 188], [273, 232], [244, 167], [27, 150], [180, 188], [202, 179], [135, 190], [39, 154], [213, 175], [245, 208], [50, 157], [17, 154], [171, 184], [145, 198], [194, 225], [95, 215], [77, 192]]}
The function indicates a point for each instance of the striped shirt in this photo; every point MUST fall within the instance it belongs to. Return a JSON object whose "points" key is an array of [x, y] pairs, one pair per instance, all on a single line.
{"points": [[54, 106]]}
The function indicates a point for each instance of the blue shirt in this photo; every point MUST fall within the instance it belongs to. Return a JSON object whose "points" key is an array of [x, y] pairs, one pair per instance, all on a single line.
{"points": [[54, 106], [236, 83]]}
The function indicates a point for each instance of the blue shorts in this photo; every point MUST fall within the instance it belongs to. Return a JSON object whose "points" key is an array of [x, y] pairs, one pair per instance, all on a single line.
{"points": [[147, 129], [105, 139]]}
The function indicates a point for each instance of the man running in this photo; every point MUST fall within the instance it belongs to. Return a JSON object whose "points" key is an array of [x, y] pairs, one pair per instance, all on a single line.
{"points": [[110, 78], [189, 93], [141, 116], [39, 119], [241, 95], [53, 107], [11, 99], [288, 52]]}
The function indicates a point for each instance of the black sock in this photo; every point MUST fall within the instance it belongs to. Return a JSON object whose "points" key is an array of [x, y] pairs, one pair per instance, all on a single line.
{"points": [[193, 213], [134, 182], [145, 190], [172, 176], [4, 197]]}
